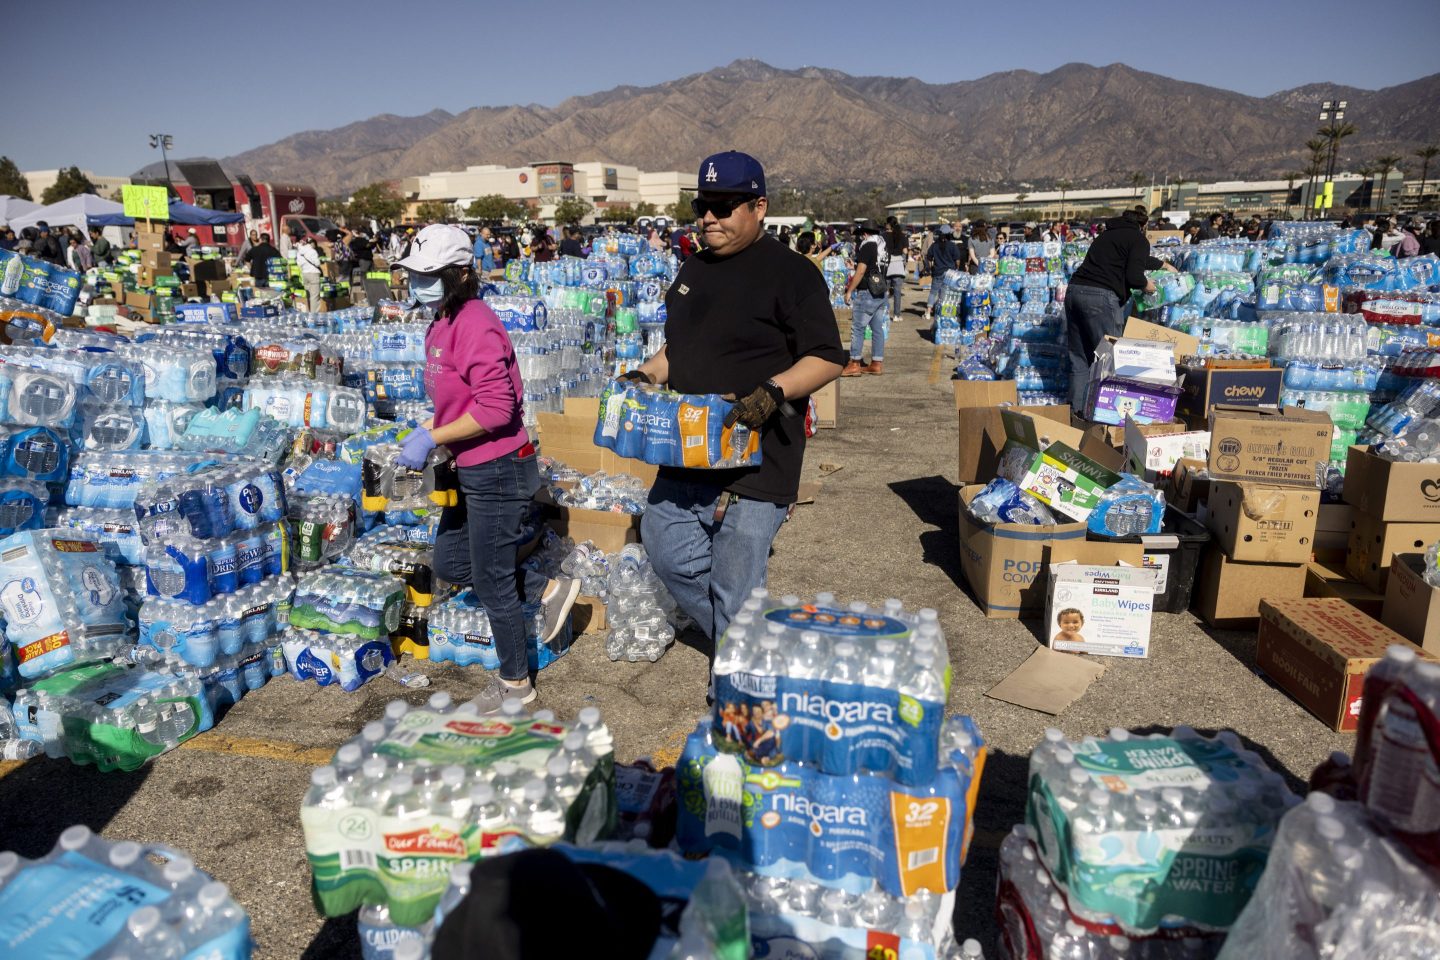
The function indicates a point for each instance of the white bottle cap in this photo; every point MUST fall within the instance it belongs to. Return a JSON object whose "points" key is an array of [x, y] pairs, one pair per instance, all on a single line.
{"points": [[349, 754], [373, 732], [401, 783], [770, 641], [1054, 735], [10, 862], [535, 791], [590, 717], [460, 873], [481, 794], [1100, 797], [1321, 803], [178, 870], [557, 766], [452, 776], [439, 700], [122, 854], [396, 709], [543, 716], [1400, 654], [323, 776], [512, 707], [75, 837], [143, 921], [213, 895], [844, 649], [374, 768]]}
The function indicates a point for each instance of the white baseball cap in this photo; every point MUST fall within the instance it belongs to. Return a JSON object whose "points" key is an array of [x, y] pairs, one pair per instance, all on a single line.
{"points": [[438, 246]]}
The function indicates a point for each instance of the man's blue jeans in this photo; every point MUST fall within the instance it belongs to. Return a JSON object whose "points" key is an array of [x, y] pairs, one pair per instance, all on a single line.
{"points": [[476, 543], [873, 312], [708, 565], [1091, 315], [897, 291]]}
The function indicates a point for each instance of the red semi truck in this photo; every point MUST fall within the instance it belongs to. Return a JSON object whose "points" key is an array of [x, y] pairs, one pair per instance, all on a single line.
{"points": [[283, 210]]}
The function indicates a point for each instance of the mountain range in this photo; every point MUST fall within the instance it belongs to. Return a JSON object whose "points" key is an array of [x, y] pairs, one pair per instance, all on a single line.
{"points": [[814, 127]]}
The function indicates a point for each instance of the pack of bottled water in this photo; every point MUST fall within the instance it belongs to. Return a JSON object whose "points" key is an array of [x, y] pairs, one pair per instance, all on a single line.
{"points": [[230, 348], [640, 612], [34, 453], [579, 561], [347, 601], [299, 402], [397, 552], [61, 599], [1036, 922], [801, 918], [1003, 502], [1337, 887], [198, 634], [431, 787], [235, 431], [139, 901], [338, 659], [1187, 819], [117, 715], [460, 632], [390, 486], [850, 832], [39, 283], [672, 429], [849, 689], [325, 526]]}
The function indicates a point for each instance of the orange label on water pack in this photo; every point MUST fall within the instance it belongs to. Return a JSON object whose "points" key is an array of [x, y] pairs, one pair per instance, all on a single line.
{"points": [[693, 423], [43, 646], [920, 828], [881, 946]]}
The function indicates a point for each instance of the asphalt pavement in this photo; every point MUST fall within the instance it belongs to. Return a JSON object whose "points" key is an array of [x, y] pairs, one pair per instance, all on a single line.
{"points": [[884, 524]]}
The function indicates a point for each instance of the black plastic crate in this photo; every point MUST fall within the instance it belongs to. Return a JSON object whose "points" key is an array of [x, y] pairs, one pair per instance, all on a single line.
{"points": [[1176, 549]]}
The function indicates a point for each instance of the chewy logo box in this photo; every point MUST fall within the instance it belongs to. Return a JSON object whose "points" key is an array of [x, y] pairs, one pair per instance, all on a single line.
{"points": [[1241, 386], [1100, 610]]}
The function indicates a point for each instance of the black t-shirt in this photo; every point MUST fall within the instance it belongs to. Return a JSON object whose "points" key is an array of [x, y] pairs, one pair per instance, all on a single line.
{"points": [[360, 248], [259, 257], [869, 254], [570, 247], [733, 323]]}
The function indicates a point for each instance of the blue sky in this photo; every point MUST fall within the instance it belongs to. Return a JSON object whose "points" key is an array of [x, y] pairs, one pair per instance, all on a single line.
{"points": [[85, 83]]}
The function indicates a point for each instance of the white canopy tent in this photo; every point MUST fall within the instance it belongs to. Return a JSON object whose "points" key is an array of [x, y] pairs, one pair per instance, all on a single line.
{"points": [[76, 211], [11, 207]]}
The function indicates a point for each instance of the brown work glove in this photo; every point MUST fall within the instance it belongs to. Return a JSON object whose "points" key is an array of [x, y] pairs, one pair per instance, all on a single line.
{"points": [[756, 407]]}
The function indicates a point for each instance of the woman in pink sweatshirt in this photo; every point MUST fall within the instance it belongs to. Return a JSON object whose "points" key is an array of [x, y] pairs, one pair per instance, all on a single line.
{"points": [[473, 382]]}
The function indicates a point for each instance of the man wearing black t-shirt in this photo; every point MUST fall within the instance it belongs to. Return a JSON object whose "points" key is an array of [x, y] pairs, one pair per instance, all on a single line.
{"points": [[750, 318]]}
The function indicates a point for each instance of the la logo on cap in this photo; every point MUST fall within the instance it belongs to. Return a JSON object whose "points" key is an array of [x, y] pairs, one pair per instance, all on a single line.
{"points": [[710, 175]]}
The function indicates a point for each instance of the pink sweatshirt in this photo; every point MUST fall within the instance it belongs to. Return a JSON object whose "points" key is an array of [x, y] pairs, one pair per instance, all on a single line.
{"points": [[470, 368]]}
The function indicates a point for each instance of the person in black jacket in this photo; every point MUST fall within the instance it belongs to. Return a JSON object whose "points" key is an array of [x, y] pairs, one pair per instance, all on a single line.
{"points": [[46, 246], [944, 255], [259, 257], [1096, 295]]}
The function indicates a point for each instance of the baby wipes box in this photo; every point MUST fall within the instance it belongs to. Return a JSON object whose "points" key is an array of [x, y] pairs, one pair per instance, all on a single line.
{"points": [[1100, 610]]}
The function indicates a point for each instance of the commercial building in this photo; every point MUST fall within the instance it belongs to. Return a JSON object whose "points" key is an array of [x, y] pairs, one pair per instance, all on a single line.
{"points": [[1261, 197], [543, 184], [41, 180]]}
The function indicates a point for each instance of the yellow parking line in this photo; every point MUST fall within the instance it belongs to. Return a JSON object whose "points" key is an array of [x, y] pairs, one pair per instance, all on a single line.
{"points": [[213, 742], [935, 364], [8, 767]]}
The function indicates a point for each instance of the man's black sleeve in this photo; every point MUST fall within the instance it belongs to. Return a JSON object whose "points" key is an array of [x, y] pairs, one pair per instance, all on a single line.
{"points": [[1135, 263], [811, 320]]}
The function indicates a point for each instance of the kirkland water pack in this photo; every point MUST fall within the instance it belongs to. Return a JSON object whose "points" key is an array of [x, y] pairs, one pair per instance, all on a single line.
{"points": [[672, 429], [1148, 831], [117, 899], [849, 690], [61, 600], [426, 788], [847, 832]]}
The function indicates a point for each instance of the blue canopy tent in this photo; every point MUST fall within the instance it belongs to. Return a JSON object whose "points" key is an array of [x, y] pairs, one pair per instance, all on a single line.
{"points": [[181, 215]]}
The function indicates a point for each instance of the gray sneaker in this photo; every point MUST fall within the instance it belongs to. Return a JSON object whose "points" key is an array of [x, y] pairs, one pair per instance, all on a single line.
{"points": [[498, 691], [557, 603]]}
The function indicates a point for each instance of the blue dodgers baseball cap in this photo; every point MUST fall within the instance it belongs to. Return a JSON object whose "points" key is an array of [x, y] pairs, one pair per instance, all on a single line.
{"points": [[731, 172]]}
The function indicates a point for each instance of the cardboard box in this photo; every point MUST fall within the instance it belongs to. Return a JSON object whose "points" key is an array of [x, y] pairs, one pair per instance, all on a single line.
{"points": [[1374, 543], [1150, 361], [1412, 605], [827, 405], [1188, 486], [1260, 523], [149, 241], [139, 301], [588, 615], [1289, 446], [1318, 651], [1392, 491], [570, 438], [158, 262], [1154, 449], [1006, 563], [1100, 610], [1332, 532], [1330, 581], [608, 531], [1115, 399], [982, 432], [1204, 387], [1184, 345], [1058, 475], [1228, 593], [1113, 435]]}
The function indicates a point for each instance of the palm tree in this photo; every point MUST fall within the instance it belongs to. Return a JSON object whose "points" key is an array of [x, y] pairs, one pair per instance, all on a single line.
{"points": [[1062, 186], [1020, 201], [1290, 179], [962, 190], [1367, 172], [1317, 148], [1335, 133], [1383, 166], [1426, 154]]}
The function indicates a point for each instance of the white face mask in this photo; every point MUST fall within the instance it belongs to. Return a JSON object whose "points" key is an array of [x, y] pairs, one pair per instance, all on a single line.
{"points": [[426, 288]]}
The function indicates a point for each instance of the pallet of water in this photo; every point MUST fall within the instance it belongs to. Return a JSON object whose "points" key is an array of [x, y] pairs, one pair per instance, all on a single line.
{"points": [[1148, 833], [429, 787]]}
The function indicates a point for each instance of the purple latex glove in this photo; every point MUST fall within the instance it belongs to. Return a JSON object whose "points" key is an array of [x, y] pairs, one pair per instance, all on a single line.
{"points": [[415, 448]]}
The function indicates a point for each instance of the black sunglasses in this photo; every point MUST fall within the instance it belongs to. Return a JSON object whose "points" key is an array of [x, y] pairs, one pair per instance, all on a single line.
{"points": [[721, 207]]}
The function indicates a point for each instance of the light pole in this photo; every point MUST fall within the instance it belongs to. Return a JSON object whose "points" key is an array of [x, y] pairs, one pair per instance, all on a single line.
{"points": [[1332, 111], [164, 141]]}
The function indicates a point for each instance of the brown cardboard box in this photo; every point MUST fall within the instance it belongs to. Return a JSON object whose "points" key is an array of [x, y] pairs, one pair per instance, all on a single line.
{"points": [[1137, 329], [1250, 383], [1412, 606], [1187, 489], [1392, 491], [188, 290], [827, 405], [1114, 436], [982, 433], [570, 438], [156, 261], [588, 615], [149, 241], [1228, 594], [1289, 446], [1259, 523], [1374, 542], [1332, 532], [1329, 580], [608, 531], [1007, 564], [1318, 651], [140, 301]]}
